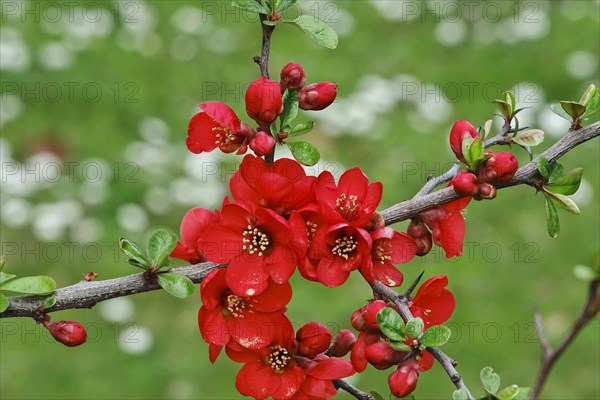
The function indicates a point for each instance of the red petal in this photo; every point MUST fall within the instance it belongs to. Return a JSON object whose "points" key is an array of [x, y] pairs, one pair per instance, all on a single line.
{"points": [[291, 381], [330, 272], [319, 388], [221, 113], [201, 136], [253, 331], [213, 326], [452, 235], [274, 298], [212, 288], [282, 263], [194, 224], [213, 352], [331, 368], [257, 380], [240, 354], [354, 182], [247, 278], [357, 355], [426, 361], [387, 274]]}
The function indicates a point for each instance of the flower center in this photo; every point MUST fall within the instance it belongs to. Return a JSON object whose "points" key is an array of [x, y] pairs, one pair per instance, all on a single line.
{"points": [[381, 254], [236, 305], [279, 358], [255, 241], [344, 247], [347, 206], [224, 136], [311, 228]]}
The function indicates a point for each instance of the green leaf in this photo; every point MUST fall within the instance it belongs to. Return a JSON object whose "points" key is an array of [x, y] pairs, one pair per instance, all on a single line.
{"points": [[460, 394], [285, 4], [523, 394], [304, 153], [414, 327], [591, 100], [376, 395], [251, 5], [487, 129], [543, 167], [509, 98], [504, 107], [556, 171], [466, 149], [30, 285], [132, 251], [177, 285], [476, 150], [563, 202], [490, 380], [160, 245], [49, 301], [574, 109], [3, 303], [436, 336], [317, 30], [568, 183], [6, 277], [558, 110], [391, 324], [552, 219], [399, 346], [302, 128], [530, 137], [290, 108], [508, 393]]}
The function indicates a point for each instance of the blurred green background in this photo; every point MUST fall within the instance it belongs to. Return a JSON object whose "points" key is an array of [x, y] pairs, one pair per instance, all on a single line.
{"points": [[96, 97]]}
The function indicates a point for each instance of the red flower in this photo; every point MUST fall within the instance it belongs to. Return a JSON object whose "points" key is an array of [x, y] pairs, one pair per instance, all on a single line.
{"points": [[194, 225], [292, 76], [461, 130], [263, 101], [448, 225], [339, 249], [247, 320], [317, 96], [257, 245], [465, 184], [319, 375], [272, 370], [389, 248], [262, 144], [433, 303], [501, 167], [404, 380], [353, 200], [217, 126], [282, 186], [313, 221]]}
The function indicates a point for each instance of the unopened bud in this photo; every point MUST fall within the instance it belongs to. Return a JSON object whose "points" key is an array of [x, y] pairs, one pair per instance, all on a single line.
{"points": [[342, 343], [501, 167], [292, 76], [381, 355], [263, 101], [460, 131], [422, 236], [486, 191], [313, 338], [317, 96], [69, 333], [262, 144], [404, 380], [464, 184]]}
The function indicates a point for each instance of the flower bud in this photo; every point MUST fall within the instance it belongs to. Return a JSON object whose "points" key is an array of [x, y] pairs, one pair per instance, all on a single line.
{"points": [[501, 167], [69, 333], [371, 311], [403, 381], [381, 355], [263, 101], [317, 96], [313, 338], [342, 343], [262, 144], [465, 184], [357, 319], [420, 233], [486, 191], [292, 76], [460, 131]]}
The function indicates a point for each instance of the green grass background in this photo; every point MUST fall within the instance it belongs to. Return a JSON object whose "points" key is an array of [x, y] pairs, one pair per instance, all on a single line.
{"points": [[496, 285]]}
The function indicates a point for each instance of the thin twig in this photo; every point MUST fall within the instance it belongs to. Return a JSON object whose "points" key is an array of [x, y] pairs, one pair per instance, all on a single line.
{"points": [[359, 394], [550, 356]]}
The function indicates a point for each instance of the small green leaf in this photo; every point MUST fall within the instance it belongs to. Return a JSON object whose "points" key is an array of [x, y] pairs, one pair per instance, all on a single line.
{"points": [[504, 108], [6, 277], [391, 324], [304, 153], [543, 167], [523, 394], [508, 393], [558, 110], [376, 395], [460, 394], [466, 149], [250, 5], [302, 128], [132, 251], [414, 327], [584, 273], [317, 30], [3, 303], [160, 245], [177, 285], [290, 108], [30, 285], [556, 171], [530, 137], [487, 129], [436, 336], [509, 98], [574, 109], [476, 151], [490, 380], [589, 93], [563, 202], [552, 219], [568, 183], [591, 100], [399, 346], [49, 301], [285, 4]]}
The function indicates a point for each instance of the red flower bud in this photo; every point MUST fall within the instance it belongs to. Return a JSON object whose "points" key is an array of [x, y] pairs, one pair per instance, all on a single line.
{"points": [[342, 344], [465, 184], [69, 333], [292, 76], [313, 338], [460, 131], [371, 311], [486, 191], [262, 144], [357, 319], [381, 355], [404, 380], [317, 96], [500, 168], [263, 101], [422, 236]]}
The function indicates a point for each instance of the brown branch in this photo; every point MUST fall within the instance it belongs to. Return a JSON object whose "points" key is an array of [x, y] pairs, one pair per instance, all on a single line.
{"points": [[445, 361], [263, 59], [589, 310], [359, 394]]}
